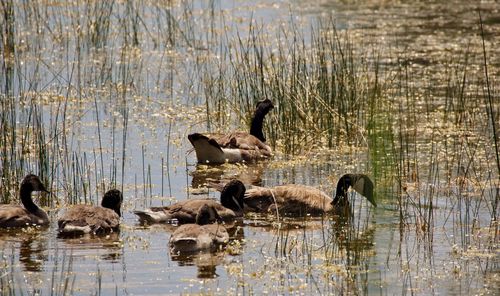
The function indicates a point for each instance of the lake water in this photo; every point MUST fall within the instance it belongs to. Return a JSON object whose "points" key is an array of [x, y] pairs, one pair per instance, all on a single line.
{"points": [[127, 114]]}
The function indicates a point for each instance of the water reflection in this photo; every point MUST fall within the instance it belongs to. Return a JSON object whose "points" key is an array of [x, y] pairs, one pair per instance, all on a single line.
{"points": [[206, 263], [246, 173], [270, 223], [344, 232], [353, 213], [33, 254], [32, 246], [110, 245]]}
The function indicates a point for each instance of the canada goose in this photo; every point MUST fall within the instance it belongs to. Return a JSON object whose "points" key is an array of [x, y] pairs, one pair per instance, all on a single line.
{"points": [[295, 199], [189, 238], [92, 219], [30, 214], [230, 208], [236, 146]]}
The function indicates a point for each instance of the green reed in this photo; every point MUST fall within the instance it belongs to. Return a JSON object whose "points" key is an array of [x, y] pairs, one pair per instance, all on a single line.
{"points": [[320, 87], [330, 90], [444, 144], [494, 120], [331, 93]]}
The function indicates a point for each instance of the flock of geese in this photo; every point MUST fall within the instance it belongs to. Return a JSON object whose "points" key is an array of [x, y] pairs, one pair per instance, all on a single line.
{"points": [[204, 221]]}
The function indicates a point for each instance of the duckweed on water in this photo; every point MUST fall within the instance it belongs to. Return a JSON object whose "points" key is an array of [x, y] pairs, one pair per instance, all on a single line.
{"points": [[393, 92]]}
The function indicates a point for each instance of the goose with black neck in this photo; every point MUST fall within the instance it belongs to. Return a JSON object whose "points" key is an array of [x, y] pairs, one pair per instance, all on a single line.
{"points": [[237, 146], [29, 214]]}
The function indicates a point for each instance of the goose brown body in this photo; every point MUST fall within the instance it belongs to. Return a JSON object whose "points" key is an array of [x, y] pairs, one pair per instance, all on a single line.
{"points": [[93, 219], [89, 219], [293, 199], [229, 208], [190, 238], [237, 146], [29, 213], [18, 216], [200, 236], [185, 211]]}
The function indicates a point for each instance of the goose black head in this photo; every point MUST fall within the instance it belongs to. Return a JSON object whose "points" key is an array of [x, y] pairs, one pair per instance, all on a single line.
{"points": [[232, 195], [29, 184], [113, 200], [359, 182], [264, 106], [207, 215], [32, 183]]}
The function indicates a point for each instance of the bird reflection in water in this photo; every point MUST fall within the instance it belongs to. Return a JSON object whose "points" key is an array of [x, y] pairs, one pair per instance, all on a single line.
{"points": [[32, 246], [206, 262], [110, 244], [250, 173]]}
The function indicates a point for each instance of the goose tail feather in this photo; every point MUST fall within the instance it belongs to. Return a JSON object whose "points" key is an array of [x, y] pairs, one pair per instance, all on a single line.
{"points": [[151, 216], [207, 149]]}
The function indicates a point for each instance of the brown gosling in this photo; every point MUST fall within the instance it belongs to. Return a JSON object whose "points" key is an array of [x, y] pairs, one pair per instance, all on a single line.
{"points": [[201, 236]]}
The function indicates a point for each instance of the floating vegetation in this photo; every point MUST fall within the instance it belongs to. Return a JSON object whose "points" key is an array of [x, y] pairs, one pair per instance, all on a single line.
{"points": [[102, 94]]}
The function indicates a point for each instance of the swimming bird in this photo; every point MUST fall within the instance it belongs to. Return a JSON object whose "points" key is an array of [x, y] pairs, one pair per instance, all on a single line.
{"points": [[229, 208], [299, 200], [82, 219], [30, 214], [203, 235], [237, 146]]}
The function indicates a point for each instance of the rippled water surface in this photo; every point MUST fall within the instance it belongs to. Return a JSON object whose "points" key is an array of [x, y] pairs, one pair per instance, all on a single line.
{"points": [[128, 113]]}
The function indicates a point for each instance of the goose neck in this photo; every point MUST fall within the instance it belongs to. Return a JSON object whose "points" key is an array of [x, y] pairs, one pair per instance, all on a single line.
{"points": [[257, 124], [25, 194]]}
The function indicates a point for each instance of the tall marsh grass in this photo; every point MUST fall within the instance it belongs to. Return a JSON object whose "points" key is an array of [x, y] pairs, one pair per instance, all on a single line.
{"points": [[314, 77], [85, 85], [332, 90]]}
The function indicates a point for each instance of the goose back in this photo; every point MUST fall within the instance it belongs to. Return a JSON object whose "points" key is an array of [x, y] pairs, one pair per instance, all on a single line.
{"points": [[295, 199], [29, 213], [89, 219], [289, 199], [190, 238], [18, 216], [201, 236], [231, 148], [229, 208], [93, 219], [236, 146], [184, 212]]}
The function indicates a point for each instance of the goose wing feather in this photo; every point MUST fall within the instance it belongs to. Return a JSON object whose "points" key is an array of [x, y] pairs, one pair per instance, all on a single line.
{"points": [[86, 218], [244, 141], [233, 147], [14, 216], [184, 211], [18, 216], [194, 237], [288, 199]]}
